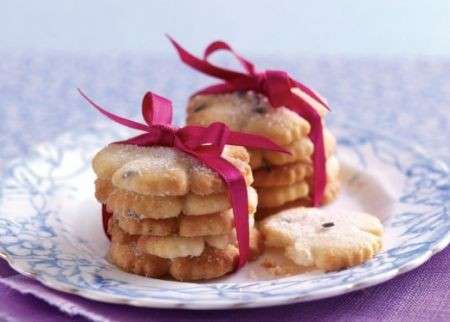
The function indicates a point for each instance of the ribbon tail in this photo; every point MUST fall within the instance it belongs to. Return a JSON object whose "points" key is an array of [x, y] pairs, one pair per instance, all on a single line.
{"points": [[245, 83], [114, 117], [254, 142], [203, 65], [311, 93], [319, 162], [146, 139], [316, 136], [237, 190]]}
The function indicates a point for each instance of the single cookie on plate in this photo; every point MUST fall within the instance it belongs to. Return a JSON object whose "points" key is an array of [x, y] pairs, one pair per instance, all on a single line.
{"points": [[326, 239]]}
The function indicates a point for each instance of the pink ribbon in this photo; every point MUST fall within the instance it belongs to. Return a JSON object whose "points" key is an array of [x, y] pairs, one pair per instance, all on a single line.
{"points": [[203, 143], [276, 86]]}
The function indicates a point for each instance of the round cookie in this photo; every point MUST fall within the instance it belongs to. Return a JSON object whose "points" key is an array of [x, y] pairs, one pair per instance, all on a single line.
{"points": [[328, 240], [277, 196]]}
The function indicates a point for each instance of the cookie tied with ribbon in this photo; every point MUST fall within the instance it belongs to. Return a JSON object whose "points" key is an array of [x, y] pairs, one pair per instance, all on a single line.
{"points": [[279, 88], [153, 215]]}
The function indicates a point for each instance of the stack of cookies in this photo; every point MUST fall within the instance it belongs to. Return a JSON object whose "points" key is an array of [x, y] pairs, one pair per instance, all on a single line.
{"points": [[281, 180], [171, 215]]}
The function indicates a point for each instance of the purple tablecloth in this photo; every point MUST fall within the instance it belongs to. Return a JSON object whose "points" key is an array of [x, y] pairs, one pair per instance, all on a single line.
{"points": [[38, 102], [420, 295]]}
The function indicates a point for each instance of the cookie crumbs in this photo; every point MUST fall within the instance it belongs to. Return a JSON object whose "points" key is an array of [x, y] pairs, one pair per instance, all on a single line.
{"points": [[278, 270]]}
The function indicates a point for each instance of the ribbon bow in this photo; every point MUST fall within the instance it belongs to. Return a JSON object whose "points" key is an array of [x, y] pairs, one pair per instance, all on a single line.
{"points": [[203, 143], [276, 86]]}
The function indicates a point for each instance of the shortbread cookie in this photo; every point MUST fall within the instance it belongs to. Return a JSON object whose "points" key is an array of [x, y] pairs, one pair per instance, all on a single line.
{"points": [[103, 189], [256, 159], [206, 181], [333, 168], [206, 225], [163, 171], [328, 240], [171, 246], [144, 206], [129, 203], [200, 205], [276, 176], [248, 112], [222, 241], [212, 263], [185, 226], [176, 246], [128, 259], [332, 191], [299, 151], [256, 243], [133, 225], [118, 235], [266, 212], [277, 196]]}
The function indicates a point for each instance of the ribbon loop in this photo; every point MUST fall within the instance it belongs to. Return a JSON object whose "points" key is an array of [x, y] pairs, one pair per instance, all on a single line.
{"points": [[204, 66], [276, 85], [115, 118], [221, 45], [156, 109]]}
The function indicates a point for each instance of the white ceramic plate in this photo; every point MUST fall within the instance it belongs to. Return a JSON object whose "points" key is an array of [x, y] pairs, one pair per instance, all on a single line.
{"points": [[50, 226]]}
